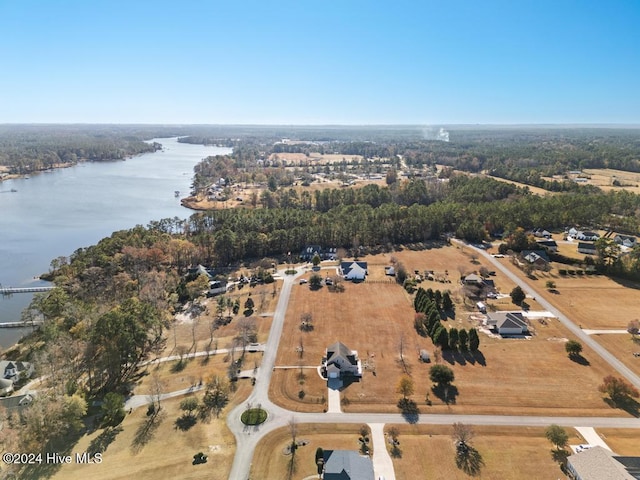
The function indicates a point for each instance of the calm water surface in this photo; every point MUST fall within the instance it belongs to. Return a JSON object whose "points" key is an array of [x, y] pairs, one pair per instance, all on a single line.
{"points": [[55, 213]]}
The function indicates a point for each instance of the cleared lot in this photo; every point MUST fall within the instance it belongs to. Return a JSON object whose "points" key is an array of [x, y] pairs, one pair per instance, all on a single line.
{"points": [[623, 441], [168, 453], [508, 453]]}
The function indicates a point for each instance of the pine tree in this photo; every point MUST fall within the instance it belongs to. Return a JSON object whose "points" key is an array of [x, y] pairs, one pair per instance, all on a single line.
{"points": [[447, 303], [453, 339], [442, 338], [437, 298], [463, 340], [474, 340]]}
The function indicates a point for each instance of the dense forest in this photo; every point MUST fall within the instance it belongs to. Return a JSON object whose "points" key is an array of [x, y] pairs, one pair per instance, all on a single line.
{"points": [[30, 148]]}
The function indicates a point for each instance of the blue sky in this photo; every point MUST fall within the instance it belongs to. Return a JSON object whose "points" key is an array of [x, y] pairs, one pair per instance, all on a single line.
{"points": [[312, 62]]}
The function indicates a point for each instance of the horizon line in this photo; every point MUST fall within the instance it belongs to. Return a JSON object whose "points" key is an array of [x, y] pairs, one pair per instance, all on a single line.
{"points": [[326, 125]]}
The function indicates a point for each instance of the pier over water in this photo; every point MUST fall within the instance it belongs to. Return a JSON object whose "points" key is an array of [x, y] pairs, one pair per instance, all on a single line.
{"points": [[12, 290]]}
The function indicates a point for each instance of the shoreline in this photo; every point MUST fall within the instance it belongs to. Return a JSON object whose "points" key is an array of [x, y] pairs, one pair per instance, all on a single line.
{"points": [[18, 176]]}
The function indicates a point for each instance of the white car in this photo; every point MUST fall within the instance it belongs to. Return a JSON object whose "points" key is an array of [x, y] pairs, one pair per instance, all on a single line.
{"points": [[303, 281]]}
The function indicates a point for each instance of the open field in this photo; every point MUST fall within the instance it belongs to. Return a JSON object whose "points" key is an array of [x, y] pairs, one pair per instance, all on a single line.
{"points": [[515, 376], [168, 452], [532, 189], [604, 178], [588, 299], [622, 347], [508, 453], [314, 158], [623, 441], [269, 460]]}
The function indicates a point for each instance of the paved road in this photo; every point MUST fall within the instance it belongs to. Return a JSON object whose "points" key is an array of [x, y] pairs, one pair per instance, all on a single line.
{"points": [[576, 330], [245, 441]]}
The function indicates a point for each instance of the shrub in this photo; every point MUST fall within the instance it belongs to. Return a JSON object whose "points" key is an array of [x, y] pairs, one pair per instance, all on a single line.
{"points": [[562, 271]]}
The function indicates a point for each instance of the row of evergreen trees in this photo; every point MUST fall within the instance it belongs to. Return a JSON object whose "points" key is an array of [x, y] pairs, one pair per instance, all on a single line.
{"points": [[430, 307]]}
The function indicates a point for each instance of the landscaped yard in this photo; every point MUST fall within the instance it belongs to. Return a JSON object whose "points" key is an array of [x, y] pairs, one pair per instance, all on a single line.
{"points": [[508, 453], [270, 461]]}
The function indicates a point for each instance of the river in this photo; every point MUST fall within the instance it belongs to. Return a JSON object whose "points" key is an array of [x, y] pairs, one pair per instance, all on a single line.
{"points": [[54, 213]]}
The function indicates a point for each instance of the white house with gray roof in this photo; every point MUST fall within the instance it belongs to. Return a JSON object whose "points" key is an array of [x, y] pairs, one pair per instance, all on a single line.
{"points": [[340, 362], [507, 323]]}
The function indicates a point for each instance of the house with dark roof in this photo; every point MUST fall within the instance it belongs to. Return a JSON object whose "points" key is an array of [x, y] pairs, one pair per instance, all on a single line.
{"points": [[587, 236], [541, 233], [17, 402], [587, 248], [598, 463], [550, 245], [346, 465], [198, 270], [354, 271], [472, 279], [14, 371], [538, 258], [507, 323], [340, 362], [311, 251], [625, 240]]}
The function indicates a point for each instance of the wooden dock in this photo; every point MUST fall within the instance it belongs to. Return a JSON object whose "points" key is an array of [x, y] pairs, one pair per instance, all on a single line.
{"points": [[20, 324], [12, 290]]}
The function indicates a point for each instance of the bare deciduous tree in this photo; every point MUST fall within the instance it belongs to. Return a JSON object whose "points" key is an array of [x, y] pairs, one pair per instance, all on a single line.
{"points": [[462, 433]]}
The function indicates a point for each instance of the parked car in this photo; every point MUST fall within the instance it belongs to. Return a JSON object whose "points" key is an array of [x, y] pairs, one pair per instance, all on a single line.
{"points": [[303, 281]]}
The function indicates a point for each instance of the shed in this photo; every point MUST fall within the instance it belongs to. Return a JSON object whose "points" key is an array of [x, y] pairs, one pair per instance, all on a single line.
{"points": [[481, 307]]}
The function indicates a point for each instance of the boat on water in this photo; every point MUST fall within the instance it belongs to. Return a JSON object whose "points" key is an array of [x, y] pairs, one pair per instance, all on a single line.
{"points": [[14, 190], [177, 193]]}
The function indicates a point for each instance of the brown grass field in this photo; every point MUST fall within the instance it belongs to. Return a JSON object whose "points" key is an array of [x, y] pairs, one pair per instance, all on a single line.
{"points": [[508, 453], [622, 347], [532, 189], [514, 376], [314, 158], [568, 249], [604, 177], [269, 460], [588, 299], [427, 452], [623, 441], [168, 452]]}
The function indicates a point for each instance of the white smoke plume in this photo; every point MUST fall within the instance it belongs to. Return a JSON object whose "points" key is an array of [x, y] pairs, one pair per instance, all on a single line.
{"points": [[430, 133]]}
